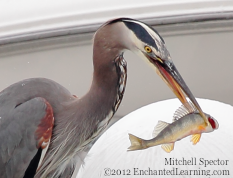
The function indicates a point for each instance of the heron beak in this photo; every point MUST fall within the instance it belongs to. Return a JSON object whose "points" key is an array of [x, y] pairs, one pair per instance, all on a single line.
{"points": [[168, 72]]}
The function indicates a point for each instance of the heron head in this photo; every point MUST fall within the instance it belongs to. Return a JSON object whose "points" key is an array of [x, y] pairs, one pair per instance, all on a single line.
{"points": [[150, 46]]}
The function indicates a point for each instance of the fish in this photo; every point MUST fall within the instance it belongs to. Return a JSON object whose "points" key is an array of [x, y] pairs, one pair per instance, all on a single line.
{"points": [[186, 121]]}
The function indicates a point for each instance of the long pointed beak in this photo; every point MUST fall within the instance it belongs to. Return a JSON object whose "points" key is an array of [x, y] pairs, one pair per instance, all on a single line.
{"points": [[168, 72]]}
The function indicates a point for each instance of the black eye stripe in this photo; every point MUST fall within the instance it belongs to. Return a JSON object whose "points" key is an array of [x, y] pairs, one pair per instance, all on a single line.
{"points": [[156, 33], [141, 33]]}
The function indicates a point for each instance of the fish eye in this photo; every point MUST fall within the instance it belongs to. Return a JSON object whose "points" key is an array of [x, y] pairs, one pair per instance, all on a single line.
{"points": [[212, 122], [148, 49]]}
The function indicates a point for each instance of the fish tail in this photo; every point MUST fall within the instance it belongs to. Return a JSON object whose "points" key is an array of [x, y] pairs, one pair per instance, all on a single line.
{"points": [[136, 143]]}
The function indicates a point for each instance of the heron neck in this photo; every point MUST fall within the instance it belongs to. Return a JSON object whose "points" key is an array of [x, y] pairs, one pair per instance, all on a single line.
{"points": [[106, 91]]}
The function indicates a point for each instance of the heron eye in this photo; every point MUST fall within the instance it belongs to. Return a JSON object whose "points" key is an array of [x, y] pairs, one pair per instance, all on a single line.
{"points": [[148, 49]]}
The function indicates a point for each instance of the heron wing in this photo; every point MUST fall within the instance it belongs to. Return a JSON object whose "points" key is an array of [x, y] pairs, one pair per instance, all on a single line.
{"points": [[24, 131]]}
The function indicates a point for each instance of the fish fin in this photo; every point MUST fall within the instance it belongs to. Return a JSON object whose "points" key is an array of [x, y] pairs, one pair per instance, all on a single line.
{"points": [[195, 138], [159, 127], [201, 128], [136, 143], [174, 119], [184, 110], [168, 147]]}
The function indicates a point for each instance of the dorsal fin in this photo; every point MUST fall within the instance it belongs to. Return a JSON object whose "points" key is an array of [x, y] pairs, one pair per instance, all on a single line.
{"points": [[184, 110], [159, 127]]}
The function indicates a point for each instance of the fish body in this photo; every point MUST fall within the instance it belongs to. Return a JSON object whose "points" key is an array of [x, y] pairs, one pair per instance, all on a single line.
{"points": [[186, 122]]}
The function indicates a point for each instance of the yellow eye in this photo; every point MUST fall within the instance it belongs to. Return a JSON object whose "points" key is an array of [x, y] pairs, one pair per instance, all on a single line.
{"points": [[148, 49]]}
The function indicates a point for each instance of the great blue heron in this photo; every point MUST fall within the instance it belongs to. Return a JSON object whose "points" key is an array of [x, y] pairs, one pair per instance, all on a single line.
{"points": [[38, 110]]}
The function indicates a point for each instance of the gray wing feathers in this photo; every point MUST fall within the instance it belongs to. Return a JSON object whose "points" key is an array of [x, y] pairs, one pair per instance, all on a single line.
{"points": [[17, 136]]}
